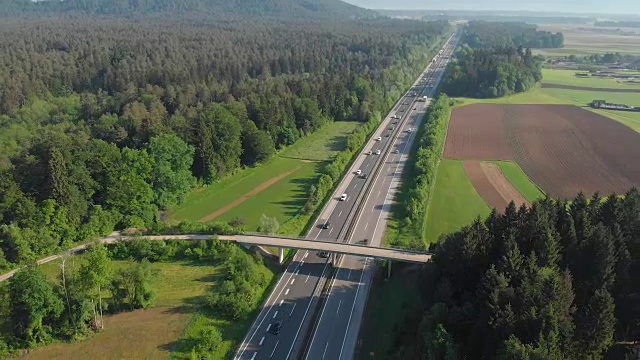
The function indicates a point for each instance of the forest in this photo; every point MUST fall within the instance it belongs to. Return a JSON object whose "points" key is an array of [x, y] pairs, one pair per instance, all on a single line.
{"points": [[107, 122], [557, 280], [484, 34], [492, 72]]}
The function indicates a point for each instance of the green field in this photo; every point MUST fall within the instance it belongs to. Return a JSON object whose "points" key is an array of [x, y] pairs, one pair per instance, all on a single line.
{"points": [[455, 202], [180, 287], [520, 180], [277, 188], [568, 77]]}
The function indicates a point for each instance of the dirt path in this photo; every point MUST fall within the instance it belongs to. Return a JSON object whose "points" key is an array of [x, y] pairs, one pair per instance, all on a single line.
{"points": [[255, 191]]}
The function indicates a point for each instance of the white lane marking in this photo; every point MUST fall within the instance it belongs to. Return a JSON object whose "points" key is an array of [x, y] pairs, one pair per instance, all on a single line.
{"points": [[254, 355], [286, 292], [268, 327], [353, 306], [306, 254], [292, 280], [338, 309], [325, 350], [293, 308], [301, 263], [349, 275], [330, 231], [340, 214], [297, 271], [274, 349], [365, 225], [281, 301], [261, 340], [275, 314], [309, 274], [378, 192]]}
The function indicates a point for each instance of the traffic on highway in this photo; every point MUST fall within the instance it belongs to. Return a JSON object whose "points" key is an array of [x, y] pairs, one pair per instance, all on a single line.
{"points": [[289, 326]]}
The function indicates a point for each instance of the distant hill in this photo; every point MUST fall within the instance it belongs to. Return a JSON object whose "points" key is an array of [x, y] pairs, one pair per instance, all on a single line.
{"points": [[277, 8]]}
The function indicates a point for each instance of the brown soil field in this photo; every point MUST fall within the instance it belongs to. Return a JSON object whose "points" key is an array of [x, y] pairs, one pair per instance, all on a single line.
{"points": [[492, 185], [255, 191], [586, 88], [141, 334], [562, 148], [477, 132]]}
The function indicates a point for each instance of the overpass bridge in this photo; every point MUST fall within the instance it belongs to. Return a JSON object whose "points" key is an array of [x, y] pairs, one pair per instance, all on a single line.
{"points": [[304, 244]]}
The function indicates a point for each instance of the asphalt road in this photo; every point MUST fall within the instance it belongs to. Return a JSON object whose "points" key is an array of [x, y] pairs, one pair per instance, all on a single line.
{"points": [[336, 333], [290, 300]]}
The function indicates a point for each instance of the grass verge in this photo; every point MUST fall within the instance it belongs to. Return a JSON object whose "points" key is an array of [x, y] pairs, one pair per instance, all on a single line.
{"points": [[391, 302], [455, 202], [520, 180], [568, 77]]}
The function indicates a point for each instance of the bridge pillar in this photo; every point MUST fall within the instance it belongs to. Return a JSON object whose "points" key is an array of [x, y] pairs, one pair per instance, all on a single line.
{"points": [[388, 268], [281, 255]]}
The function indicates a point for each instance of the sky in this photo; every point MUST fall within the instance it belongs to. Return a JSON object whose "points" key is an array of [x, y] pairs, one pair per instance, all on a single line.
{"points": [[571, 6]]}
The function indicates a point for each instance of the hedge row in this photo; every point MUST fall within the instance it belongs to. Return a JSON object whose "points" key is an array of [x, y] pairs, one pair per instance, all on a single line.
{"points": [[423, 170]]}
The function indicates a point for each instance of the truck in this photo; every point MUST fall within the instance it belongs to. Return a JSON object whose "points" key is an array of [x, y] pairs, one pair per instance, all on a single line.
{"points": [[423, 99]]}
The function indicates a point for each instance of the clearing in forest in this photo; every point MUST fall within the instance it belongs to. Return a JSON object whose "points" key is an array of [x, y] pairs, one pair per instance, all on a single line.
{"points": [[563, 149]]}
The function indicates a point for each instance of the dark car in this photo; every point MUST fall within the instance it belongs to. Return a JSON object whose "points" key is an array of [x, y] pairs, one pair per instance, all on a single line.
{"points": [[326, 225], [275, 327], [323, 254], [363, 176], [364, 241]]}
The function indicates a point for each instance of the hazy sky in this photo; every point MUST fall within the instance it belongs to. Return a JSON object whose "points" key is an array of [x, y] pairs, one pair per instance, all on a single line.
{"points": [[573, 6]]}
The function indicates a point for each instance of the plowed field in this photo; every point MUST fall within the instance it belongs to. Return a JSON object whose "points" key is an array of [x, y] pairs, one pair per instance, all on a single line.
{"points": [[562, 148], [492, 185]]}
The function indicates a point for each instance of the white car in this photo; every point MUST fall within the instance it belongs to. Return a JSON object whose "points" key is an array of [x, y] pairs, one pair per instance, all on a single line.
{"points": [[377, 152], [358, 172], [409, 130], [343, 197], [378, 138]]}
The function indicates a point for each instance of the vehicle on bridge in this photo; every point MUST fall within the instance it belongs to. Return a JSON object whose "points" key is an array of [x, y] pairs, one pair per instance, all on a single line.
{"points": [[343, 197]]}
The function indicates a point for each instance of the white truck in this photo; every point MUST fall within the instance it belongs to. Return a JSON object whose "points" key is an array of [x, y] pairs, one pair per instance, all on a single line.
{"points": [[423, 99]]}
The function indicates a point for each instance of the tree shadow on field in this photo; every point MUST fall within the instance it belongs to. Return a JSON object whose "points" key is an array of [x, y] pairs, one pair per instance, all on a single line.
{"points": [[338, 143]]}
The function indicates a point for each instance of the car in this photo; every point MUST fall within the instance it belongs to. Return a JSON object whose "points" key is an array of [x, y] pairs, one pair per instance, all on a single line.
{"points": [[326, 225], [363, 176], [409, 130], [323, 254], [377, 152], [378, 138], [343, 197], [369, 152], [395, 122], [401, 110], [395, 117], [363, 241], [358, 172], [275, 328], [396, 151], [390, 128], [415, 108], [386, 135]]}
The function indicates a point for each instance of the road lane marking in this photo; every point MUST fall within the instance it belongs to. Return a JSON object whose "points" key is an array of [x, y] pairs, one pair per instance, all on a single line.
{"points": [[340, 214], [339, 303], [365, 225], [275, 314], [292, 280], [305, 255], [261, 341], [274, 349], [325, 350], [293, 308], [286, 292], [281, 301], [349, 275], [355, 299], [254, 355], [309, 274], [297, 271], [301, 263], [268, 327]]}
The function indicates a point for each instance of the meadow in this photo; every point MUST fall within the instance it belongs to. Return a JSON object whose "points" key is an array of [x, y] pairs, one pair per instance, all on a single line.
{"points": [[277, 188], [568, 77], [454, 203], [520, 180], [583, 39], [166, 330]]}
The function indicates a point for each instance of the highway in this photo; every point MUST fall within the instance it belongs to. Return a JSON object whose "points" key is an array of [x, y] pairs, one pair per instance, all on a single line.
{"points": [[290, 302], [336, 333]]}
